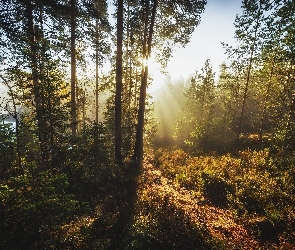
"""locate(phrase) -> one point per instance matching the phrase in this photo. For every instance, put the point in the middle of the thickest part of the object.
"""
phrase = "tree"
(229, 87)
(165, 23)
(285, 15)
(249, 36)
(73, 68)
(118, 105)
(146, 51)
(35, 71)
(15, 115)
(197, 125)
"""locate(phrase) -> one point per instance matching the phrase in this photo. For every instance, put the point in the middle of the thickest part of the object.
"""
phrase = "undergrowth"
(178, 201)
(256, 185)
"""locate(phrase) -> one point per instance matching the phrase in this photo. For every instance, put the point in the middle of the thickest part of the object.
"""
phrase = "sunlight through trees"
(99, 155)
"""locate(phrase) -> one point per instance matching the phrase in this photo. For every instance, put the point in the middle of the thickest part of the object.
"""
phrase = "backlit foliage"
(254, 184)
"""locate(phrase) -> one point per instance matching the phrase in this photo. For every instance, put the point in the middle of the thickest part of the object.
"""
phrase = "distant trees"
(271, 68)
(201, 123)
(168, 102)
(249, 36)
(255, 90)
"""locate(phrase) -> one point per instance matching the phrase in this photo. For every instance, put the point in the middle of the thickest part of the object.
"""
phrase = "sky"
(216, 26)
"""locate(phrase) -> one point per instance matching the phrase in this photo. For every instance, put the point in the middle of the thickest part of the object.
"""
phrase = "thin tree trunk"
(248, 74)
(138, 148)
(138, 151)
(73, 69)
(291, 115)
(128, 79)
(135, 87)
(96, 71)
(83, 104)
(118, 97)
(266, 100)
(17, 134)
(130, 93)
(290, 122)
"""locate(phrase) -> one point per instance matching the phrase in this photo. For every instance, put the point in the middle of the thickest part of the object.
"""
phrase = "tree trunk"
(96, 71)
(288, 140)
(266, 100)
(37, 93)
(73, 68)
(248, 74)
(118, 97)
(147, 45)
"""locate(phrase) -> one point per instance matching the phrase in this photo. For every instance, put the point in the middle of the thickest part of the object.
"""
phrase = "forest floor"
(221, 226)
(165, 214)
(219, 222)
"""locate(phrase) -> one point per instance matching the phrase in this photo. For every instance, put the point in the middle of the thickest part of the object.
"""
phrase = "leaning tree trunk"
(248, 75)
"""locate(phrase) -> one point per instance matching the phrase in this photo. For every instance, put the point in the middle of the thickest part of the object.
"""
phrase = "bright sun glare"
(150, 62)
(154, 73)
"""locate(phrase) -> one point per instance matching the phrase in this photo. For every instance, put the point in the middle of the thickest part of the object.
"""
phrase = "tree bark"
(288, 140)
(73, 69)
(118, 97)
(147, 46)
(96, 71)
(36, 87)
(266, 100)
(248, 73)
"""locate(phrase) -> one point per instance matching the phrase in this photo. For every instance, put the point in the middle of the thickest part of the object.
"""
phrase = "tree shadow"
(126, 197)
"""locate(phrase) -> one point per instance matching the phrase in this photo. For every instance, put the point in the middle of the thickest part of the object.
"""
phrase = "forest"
(91, 159)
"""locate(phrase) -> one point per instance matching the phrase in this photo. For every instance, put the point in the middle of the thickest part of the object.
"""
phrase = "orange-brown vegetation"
(244, 202)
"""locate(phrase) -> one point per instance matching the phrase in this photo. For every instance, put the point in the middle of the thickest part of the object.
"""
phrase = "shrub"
(31, 211)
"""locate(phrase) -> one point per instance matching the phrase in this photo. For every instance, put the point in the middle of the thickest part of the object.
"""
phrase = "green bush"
(33, 210)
